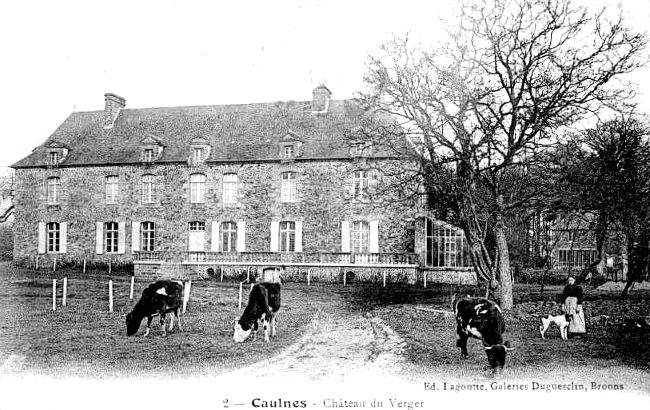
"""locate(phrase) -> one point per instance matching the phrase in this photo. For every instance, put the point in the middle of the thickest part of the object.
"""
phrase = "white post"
(36, 262)
(65, 291)
(384, 278)
(53, 294)
(110, 296)
(186, 294)
(308, 276)
(54, 266)
(240, 290)
(345, 277)
(132, 283)
(425, 279)
(109, 267)
(84, 271)
(248, 275)
(221, 268)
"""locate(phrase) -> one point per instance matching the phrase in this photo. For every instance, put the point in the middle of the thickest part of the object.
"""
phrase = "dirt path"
(336, 346)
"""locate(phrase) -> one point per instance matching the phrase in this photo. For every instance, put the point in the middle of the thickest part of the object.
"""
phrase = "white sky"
(58, 56)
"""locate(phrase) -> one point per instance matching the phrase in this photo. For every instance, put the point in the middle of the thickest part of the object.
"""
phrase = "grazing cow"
(263, 303)
(159, 298)
(482, 319)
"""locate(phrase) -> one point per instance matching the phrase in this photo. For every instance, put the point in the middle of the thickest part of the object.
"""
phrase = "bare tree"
(616, 177)
(479, 110)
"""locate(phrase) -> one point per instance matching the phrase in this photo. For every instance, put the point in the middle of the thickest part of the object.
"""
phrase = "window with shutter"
(148, 236)
(228, 237)
(360, 236)
(287, 236)
(111, 237)
(53, 237)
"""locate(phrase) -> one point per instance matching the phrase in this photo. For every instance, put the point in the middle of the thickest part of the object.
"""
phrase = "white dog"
(562, 322)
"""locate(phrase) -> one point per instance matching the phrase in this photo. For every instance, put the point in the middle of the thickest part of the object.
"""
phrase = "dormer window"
(289, 146)
(151, 148)
(199, 151)
(54, 157)
(56, 153)
(197, 154)
(147, 155)
(288, 151)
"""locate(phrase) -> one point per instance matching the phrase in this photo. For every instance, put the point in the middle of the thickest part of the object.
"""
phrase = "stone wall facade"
(324, 199)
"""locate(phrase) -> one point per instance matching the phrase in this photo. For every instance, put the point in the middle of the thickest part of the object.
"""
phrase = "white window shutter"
(99, 238)
(41, 237)
(298, 236)
(373, 246)
(345, 236)
(135, 237)
(215, 240)
(64, 237)
(121, 237)
(275, 234)
(241, 236)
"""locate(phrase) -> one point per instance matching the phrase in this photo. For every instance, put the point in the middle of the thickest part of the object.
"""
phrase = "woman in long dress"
(572, 296)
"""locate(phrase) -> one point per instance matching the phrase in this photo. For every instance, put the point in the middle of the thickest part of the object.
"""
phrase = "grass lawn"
(84, 339)
(606, 355)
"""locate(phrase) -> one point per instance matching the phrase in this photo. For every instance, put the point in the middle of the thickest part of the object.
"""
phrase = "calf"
(482, 319)
(159, 298)
(263, 303)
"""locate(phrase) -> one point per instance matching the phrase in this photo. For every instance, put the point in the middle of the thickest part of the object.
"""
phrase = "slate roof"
(248, 132)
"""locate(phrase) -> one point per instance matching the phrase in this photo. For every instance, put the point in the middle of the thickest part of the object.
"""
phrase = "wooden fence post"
(53, 294)
(186, 294)
(65, 291)
(110, 296)
(240, 290)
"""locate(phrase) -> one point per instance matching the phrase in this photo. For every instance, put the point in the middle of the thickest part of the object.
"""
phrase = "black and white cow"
(159, 298)
(482, 319)
(263, 303)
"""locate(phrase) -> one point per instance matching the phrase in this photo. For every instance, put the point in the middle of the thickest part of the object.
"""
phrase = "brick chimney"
(113, 104)
(321, 99)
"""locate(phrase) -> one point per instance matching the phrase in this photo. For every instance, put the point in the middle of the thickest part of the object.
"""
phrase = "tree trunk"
(637, 250)
(504, 283)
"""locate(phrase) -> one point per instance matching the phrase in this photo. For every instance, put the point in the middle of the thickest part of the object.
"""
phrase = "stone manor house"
(181, 190)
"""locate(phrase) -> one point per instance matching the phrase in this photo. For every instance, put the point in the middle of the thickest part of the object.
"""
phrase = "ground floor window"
(111, 232)
(53, 237)
(287, 236)
(360, 236)
(148, 231)
(228, 237)
(445, 245)
(197, 236)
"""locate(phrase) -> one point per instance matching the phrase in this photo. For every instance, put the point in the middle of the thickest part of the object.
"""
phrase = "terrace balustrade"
(303, 258)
